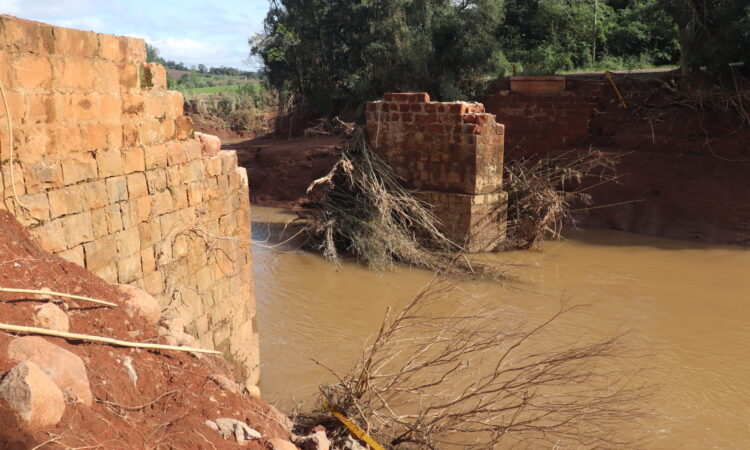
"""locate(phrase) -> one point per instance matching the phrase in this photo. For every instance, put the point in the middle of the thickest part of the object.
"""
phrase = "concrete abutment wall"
(452, 153)
(109, 176)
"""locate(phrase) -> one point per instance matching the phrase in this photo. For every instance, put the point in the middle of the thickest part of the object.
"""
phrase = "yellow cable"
(355, 430)
(608, 74)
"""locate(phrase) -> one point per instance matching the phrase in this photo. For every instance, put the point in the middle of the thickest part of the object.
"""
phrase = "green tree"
(337, 54)
(713, 34)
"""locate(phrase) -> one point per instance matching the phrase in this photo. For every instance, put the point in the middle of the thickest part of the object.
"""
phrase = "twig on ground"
(103, 340)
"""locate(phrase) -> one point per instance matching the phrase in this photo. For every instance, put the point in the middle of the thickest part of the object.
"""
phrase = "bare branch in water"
(476, 377)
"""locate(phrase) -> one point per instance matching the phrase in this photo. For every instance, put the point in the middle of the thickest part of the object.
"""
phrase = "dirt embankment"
(281, 170)
(168, 404)
(685, 168)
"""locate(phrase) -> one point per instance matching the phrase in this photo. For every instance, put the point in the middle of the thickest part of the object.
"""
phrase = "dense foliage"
(335, 54)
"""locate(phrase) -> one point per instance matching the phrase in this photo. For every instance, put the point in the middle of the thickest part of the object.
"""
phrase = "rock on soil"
(33, 396)
(64, 368)
(141, 303)
(281, 444)
(174, 386)
(232, 427)
(315, 441)
(51, 317)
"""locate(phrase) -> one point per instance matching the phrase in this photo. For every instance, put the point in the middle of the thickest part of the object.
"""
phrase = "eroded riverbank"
(685, 306)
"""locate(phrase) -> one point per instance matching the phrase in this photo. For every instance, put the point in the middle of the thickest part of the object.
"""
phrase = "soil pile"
(168, 404)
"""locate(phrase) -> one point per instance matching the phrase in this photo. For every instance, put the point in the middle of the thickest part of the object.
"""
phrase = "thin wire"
(10, 140)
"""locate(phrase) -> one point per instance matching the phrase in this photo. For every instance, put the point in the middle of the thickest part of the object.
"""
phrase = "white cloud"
(84, 23)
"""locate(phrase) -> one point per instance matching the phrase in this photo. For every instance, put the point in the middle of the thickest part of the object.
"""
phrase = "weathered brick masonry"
(110, 177)
(452, 153)
(545, 115)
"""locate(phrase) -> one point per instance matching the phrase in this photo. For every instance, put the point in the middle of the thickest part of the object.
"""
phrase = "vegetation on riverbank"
(451, 49)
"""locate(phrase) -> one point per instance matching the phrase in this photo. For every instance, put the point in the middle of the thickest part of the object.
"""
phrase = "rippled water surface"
(685, 305)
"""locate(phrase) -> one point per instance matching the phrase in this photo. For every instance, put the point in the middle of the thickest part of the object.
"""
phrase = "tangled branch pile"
(364, 210)
(542, 191)
(433, 379)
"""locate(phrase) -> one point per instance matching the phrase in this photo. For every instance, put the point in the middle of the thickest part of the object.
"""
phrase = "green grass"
(256, 87)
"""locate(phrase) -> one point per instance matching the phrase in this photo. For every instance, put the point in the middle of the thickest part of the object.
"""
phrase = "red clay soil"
(175, 386)
(280, 171)
(686, 169)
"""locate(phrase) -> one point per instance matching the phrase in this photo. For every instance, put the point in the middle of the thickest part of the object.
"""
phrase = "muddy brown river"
(686, 305)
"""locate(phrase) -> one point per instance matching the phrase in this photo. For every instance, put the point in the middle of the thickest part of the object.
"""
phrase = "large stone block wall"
(108, 175)
(452, 154)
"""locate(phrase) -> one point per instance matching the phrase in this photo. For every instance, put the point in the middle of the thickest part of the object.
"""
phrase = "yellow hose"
(354, 429)
(608, 74)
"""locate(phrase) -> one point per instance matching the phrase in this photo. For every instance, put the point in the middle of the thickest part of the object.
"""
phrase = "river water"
(685, 305)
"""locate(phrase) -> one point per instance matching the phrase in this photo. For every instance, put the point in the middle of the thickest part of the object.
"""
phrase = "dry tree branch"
(438, 374)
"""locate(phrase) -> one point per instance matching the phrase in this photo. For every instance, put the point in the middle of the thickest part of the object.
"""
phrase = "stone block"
(117, 189)
(99, 222)
(74, 73)
(74, 255)
(78, 167)
(50, 236)
(183, 127)
(155, 156)
(143, 208)
(107, 77)
(32, 71)
(65, 201)
(148, 260)
(162, 203)
(150, 233)
(27, 36)
(112, 48)
(75, 43)
(133, 160)
(149, 131)
(154, 283)
(110, 108)
(128, 268)
(137, 186)
(174, 104)
(156, 180)
(154, 77)
(114, 218)
(128, 242)
(78, 229)
(537, 85)
(176, 153)
(100, 253)
(42, 108)
(36, 206)
(155, 105)
(37, 176)
(109, 163)
(95, 136)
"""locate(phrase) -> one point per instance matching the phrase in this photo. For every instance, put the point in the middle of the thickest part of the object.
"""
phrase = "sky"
(189, 31)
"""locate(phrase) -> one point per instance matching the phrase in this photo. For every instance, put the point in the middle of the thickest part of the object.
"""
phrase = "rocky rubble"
(87, 394)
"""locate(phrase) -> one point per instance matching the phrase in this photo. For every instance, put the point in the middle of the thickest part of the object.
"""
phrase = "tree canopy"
(335, 54)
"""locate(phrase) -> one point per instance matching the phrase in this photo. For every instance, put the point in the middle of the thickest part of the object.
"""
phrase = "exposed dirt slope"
(185, 395)
(686, 165)
(281, 170)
